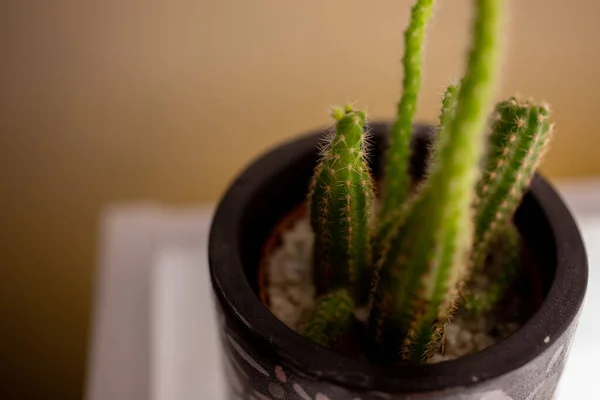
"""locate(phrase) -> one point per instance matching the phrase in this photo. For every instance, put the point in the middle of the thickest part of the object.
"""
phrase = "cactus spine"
(397, 177)
(341, 202)
(419, 271)
(520, 136)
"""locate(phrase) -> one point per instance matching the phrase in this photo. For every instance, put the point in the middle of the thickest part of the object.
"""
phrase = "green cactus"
(501, 274)
(424, 260)
(519, 138)
(424, 247)
(388, 221)
(397, 182)
(341, 206)
(330, 318)
(449, 102)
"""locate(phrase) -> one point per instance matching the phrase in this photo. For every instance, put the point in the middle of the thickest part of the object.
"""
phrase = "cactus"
(519, 138)
(449, 101)
(503, 269)
(330, 318)
(341, 203)
(423, 248)
(447, 113)
(397, 181)
(423, 260)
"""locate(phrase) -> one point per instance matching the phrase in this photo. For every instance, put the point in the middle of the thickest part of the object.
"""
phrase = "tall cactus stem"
(447, 113)
(449, 102)
(397, 179)
(425, 260)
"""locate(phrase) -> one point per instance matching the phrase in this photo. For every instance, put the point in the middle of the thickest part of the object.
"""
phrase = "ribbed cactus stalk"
(397, 181)
(389, 221)
(341, 203)
(520, 136)
(330, 318)
(500, 274)
(424, 259)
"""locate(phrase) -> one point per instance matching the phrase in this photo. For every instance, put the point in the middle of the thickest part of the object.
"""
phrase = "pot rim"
(236, 294)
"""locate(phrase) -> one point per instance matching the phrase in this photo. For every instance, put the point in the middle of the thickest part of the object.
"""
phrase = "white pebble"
(284, 310)
(482, 341)
(300, 295)
(292, 271)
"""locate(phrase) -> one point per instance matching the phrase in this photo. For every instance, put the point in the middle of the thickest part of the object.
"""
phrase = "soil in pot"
(286, 287)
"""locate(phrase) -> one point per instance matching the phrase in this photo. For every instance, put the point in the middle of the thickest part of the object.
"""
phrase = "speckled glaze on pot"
(265, 360)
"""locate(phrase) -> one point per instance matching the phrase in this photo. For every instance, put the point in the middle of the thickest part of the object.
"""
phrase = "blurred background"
(121, 100)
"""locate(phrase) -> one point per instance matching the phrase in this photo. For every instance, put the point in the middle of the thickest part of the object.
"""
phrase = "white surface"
(127, 337)
(154, 332)
(118, 362)
(579, 378)
(185, 362)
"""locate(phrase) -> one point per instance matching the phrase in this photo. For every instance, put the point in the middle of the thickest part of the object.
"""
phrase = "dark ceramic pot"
(264, 359)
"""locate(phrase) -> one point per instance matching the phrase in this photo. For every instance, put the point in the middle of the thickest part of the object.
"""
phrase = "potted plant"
(402, 261)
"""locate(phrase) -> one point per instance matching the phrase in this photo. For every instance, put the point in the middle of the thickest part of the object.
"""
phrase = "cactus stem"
(518, 142)
(340, 202)
(330, 318)
(439, 220)
(397, 179)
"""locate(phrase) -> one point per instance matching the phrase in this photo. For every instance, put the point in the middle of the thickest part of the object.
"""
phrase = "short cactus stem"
(519, 138)
(330, 320)
(341, 203)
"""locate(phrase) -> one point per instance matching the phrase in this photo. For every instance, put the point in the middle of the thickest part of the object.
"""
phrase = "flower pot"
(264, 359)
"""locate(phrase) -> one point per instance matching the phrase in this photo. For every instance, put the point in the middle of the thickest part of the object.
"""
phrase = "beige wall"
(121, 100)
